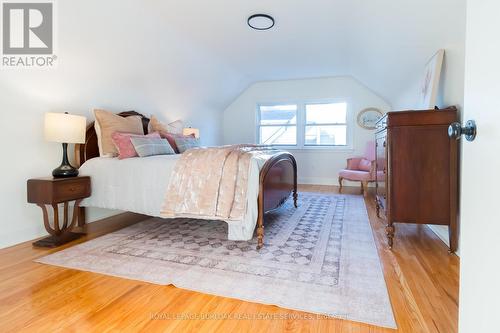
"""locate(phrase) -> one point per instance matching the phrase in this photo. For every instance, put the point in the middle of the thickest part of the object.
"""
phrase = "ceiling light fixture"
(260, 22)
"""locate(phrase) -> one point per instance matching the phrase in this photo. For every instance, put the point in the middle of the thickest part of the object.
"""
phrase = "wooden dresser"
(417, 170)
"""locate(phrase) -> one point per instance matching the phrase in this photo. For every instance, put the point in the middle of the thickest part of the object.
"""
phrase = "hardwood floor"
(422, 279)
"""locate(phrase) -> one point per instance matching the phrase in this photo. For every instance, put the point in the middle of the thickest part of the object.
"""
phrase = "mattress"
(139, 185)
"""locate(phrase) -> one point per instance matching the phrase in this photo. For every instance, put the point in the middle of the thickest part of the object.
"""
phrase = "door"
(480, 181)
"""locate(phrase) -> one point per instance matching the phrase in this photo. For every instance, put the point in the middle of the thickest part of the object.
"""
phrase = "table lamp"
(65, 128)
(191, 131)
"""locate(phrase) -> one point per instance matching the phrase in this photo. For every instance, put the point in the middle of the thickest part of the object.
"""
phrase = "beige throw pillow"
(107, 123)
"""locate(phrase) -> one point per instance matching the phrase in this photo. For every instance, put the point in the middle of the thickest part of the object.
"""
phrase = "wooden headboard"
(89, 149)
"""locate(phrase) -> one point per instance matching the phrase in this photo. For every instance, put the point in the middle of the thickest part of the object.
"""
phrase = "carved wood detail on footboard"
(278, 179)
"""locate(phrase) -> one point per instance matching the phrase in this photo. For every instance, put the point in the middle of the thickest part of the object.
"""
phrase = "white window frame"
(259, 105)
(301, 124)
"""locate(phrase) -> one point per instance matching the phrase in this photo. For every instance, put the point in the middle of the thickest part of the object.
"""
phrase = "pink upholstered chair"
(361, 169)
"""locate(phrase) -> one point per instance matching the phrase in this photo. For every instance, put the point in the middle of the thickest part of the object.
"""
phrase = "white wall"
(314, 167)
(452, 40)
(101, 63)
(451, 88)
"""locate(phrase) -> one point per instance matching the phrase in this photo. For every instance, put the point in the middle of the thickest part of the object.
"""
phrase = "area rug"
(319, 258)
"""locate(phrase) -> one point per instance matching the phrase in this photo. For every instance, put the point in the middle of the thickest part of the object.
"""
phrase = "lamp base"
(65, 171)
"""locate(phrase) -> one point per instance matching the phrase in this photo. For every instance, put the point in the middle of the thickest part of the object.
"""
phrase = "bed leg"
(260, 223)
(260, 219)
(260, 237)
(295, 197)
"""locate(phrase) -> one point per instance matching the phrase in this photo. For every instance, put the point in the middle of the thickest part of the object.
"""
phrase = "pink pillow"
(124, 145)
(171, 139)
(365, 165)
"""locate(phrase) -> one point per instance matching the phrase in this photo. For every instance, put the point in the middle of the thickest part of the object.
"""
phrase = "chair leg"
(340, 183)
(364, 188)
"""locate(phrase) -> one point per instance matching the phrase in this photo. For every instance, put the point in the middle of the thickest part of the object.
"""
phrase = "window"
(278, 124)
(304, 125)
(326, 124)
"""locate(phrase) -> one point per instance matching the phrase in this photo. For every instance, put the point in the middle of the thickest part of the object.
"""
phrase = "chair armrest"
(353, 163)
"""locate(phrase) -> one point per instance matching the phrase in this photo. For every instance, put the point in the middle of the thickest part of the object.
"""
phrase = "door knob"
(455, 130)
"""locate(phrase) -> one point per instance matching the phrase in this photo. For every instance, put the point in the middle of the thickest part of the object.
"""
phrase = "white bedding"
(139, 185)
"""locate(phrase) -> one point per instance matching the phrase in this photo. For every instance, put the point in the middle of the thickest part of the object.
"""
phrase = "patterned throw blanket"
(211, 183)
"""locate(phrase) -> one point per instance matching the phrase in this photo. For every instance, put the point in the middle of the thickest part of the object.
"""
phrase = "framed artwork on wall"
(368, 117)
(429, 85)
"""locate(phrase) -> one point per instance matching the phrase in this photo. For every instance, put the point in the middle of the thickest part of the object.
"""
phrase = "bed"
(135, 184)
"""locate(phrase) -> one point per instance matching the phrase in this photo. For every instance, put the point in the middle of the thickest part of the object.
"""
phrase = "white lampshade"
(65, 128)
(189, 131)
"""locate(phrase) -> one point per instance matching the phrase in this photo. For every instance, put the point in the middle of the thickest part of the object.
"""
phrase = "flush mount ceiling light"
(260, 22)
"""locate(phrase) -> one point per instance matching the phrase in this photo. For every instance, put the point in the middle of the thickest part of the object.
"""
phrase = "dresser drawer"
(54, 190)
(66, 191)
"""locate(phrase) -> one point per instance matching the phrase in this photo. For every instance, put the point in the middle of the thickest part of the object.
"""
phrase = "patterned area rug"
(320, 258)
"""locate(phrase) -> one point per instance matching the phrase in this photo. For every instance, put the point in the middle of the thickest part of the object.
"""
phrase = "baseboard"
(327, 181)
(317, 181)
(96, 214)
(441, 231)
(118, 219)
(22, 235)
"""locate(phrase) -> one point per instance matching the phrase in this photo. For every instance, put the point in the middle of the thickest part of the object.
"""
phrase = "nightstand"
(54, 191)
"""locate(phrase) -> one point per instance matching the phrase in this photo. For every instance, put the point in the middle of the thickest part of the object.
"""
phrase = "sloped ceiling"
(195, 53)
(383, 43)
